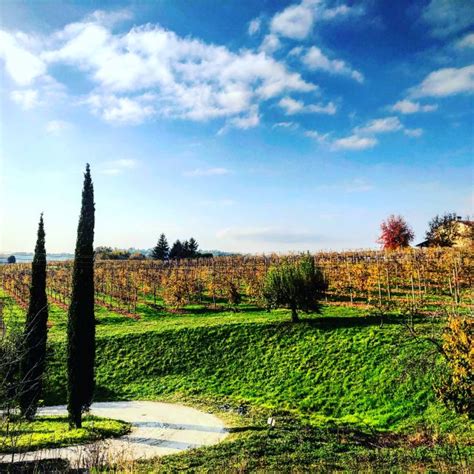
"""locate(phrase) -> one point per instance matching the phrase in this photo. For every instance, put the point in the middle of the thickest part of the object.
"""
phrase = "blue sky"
(252, 126)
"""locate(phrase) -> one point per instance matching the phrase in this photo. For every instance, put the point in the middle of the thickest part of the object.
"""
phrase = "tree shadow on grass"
(331, 322)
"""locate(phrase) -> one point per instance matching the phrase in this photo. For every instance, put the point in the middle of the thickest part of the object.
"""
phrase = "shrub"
(297, 285)
(457, 388)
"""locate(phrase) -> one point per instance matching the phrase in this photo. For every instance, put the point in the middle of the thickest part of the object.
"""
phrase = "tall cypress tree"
(34, 342)
(81, 323)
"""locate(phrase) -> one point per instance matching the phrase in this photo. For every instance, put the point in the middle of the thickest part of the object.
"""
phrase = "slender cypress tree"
(81, 323)
(34, 350)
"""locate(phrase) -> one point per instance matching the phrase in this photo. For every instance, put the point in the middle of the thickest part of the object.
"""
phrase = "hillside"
(341, 370)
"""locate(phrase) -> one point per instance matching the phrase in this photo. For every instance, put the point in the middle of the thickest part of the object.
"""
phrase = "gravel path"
(157, 429)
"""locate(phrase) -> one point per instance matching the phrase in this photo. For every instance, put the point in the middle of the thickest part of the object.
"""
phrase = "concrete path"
(157, 429)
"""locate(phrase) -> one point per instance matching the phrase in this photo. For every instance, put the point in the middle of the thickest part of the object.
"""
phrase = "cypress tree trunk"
(33, 354)
(81, 323)
(294, 314)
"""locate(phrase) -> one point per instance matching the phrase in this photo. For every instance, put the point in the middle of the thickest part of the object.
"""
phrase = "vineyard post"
(350, 279)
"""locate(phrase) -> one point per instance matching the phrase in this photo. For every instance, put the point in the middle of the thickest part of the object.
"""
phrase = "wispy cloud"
(269, 234)
(321, 138)
(254, 26)
(270, 44)
(446, 82)
(448, 17)
(354, 142)
(315, 59)
(410, 107)
(296, 21)
(207, 172)
(413, 132)
(287, 125)
(292, 106)
(466, 42)
(381, 125)
(26, 98)
(120, 110)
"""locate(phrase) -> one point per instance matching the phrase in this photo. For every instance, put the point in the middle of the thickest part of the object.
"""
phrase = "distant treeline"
(161, 251)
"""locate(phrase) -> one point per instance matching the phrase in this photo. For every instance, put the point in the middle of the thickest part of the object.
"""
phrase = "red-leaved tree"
(396, 233)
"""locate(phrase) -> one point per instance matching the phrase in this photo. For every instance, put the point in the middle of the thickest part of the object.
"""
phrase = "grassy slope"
(54, 432)
(338, 366)
(332, 367)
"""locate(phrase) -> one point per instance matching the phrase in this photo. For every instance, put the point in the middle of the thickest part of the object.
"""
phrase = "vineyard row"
(428, 279)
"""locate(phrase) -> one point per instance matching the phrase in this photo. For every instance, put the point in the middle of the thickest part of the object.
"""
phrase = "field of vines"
(422, 281)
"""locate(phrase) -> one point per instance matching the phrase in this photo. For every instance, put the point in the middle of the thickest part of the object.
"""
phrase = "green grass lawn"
(343, 387)
(53, 432)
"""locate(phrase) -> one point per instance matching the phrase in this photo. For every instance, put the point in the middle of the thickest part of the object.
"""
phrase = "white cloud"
(447, 17)
(245, 122)
(55, 127)
(22, 65)
(321, 138)
(207, 172)
(445, 82)
(295, 21)
(328, 109)
(182, 77)
(292, 106)
(466, 42)
(383, 125)
(340, 10)
(354, 142)
(413, 132)
(409, 107)
(120, 110)
(287, 125)
(315, 59)
(270, 44)
(26, 98)
(254, 26)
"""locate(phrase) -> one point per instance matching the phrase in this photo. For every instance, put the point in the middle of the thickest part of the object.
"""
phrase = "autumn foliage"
(396, 233)
(457, 388)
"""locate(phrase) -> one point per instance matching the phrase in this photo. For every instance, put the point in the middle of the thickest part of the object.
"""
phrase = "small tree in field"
(193, 247)
(396, 233)
(297, 285)
(161, 249)
(176, 250)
